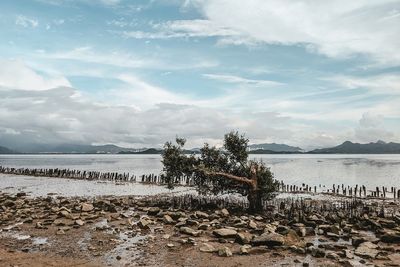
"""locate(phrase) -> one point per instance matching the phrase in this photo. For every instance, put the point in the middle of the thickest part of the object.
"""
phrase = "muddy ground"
(122, 231)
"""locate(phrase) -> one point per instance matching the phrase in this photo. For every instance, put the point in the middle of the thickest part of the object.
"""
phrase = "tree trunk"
(255, 201)
(254, 197)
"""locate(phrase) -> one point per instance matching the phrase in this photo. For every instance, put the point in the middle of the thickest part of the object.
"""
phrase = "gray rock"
(202, 215)
(225, 232)
(225, 212)
(244, 238)
(144, 224)
(391, 237)
(224, 252)
(189, 231)
(205, 247)
(153, 211)
(86, 207)
(367, 250)
(268, 239)
(167, 219)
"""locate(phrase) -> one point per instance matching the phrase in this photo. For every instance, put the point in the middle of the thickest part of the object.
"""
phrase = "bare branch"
(232, 177)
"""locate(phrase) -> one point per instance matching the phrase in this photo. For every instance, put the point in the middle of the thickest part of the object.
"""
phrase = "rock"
(79, 222)
(153, 211)
(332, 255)
(225, 212)
(317, 252)
(387, 223)
(192, 222)
(189, 231)
(269, 228)
(203, 226)
(167, 219)
(205, 247)
(60, 222)
(292, 238)
(118, 258)
(252, 224)
(224, 252)
(86, 207)
(21, 194)
(349, 254)
(166, 236)
(201, 215)
(332, 236)
(180, 224)
(225, 233)
(268, 239)
(391, 237)
(244, 250)
(367, 250)
(170, 245)
(143, 224)
(243, 238)
(281, 229)
(60, 232)
(335, 229)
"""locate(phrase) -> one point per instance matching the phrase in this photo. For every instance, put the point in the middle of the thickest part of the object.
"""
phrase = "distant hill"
(5, 150)
(348, 147)
(264, 151)
(274, 148)
(155, 151)
(71, 148)
(147, 151)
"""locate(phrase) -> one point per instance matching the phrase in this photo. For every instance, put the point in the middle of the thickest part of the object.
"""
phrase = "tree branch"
(232, 177)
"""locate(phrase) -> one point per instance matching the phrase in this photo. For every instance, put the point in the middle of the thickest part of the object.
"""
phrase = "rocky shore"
(129, 231)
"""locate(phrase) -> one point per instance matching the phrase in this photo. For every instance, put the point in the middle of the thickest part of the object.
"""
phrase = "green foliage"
(202, 169)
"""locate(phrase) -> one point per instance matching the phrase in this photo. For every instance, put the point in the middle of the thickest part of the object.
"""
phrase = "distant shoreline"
(257, 153)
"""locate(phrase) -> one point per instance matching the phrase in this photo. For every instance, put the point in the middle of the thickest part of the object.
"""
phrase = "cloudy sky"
(138, 73)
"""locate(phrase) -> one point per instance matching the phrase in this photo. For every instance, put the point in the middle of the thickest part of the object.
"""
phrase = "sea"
(319, 170)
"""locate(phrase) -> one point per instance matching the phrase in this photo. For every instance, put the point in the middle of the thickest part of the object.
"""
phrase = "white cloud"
(371, 128)
(241, 80)
(384, 83)
(15, 74)
(26, 22)
(127, 60)
(336, 29)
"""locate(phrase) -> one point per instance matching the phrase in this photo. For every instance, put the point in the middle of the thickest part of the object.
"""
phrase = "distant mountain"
(348, 147)
(275, 148)
(147, 151)
(156, 151)
(4, 150)
(72, 148)
(264, 151)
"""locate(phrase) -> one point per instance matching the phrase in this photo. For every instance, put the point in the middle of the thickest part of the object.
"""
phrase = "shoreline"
(137, 231)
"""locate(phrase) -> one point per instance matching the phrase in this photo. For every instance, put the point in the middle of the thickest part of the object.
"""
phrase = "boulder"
(167, 219)
(225, 212)
(144, 224)
(79, 222)
(252, 224)
(269, 239)
(86, 207)
(244, 250)
(225, 233)
(153, 211)
(201, 215)
(391, 237)
(243, 238)
(205, 247)
(189, 231)
(387, 223)
(224, 252)
(367, 250)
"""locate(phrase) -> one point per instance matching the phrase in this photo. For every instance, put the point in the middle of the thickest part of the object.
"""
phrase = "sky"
(139, 73)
